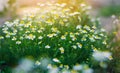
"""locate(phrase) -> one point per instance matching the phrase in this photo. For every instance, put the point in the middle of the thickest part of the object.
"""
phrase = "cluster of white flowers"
(102, 56)
(59, 32)
(82, 68)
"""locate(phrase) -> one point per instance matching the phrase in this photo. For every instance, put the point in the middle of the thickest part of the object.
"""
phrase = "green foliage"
(110, 10)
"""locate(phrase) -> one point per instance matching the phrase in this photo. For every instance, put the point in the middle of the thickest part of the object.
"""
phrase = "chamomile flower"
(30, 36)
(56, 60)
(74, 47)
(92, 39)
(27, 25)
(14, 38)
(101, 56)
(47, 46)
(49, 66)
(104, 42)
(7, 36)
(50, 35)
(66, 66)
(78, 27)
(86, 27)
(78, 67)
(38, 63)
(63, 37)
(18, 42)
(61, 50)
(79, 45)
(40, 37)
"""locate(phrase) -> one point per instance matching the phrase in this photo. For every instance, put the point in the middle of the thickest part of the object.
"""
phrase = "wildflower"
(5, 28)
(92, 39)
(54, 34)
(7, 36)
(37, 63)
(32, 15)
(97, 37)
(83, 31)
(66, 10)
(74, 46)
(21, 38)
(56, 16)
(21, 29)
(87, 70)
(14, 38)
(86, 27)
(102, 30)
(66, 33)
(27, 25)
(54, 70)
(39, 42)
(61, 22)
(18, 42)
(67, 71)
(101, 34)
(65, 20)
(94, 27)
(31, 37)
(33, 29)
(5, 31)
(73, 71)
(101, 56)
(40, 37)
(54, 30)
(104, 42)
(14, 33)
(39, 31)
(61, 66)
(56, 60)
(50, 35)
(61, 50)
(75, 13)
(21, 24)
(77, 67)
(72, 35)
(74, 38)
(63, 37)
(49, 66)
(92, 30)
(66, 66)
(79, 45)
(77, 33)
(1, 37)
(9, 24)
(83, 39)
(47, 46)
(49, 22)
(27, 31)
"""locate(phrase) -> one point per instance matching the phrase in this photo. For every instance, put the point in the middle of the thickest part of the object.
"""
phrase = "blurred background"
(104, 9)
(107, 12)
